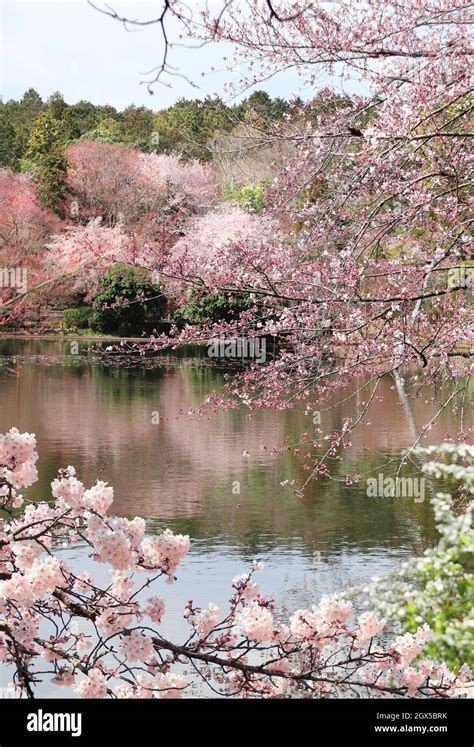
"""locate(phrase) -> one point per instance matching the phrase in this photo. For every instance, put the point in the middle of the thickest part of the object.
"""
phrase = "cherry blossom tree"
(371, 276)
(25, 228)
(119, 183)
(80, 255)
(211, 240)
(105, 181)
(366, 273)
(25, 225)
(124, 205)
(189, 185)
(361, 274)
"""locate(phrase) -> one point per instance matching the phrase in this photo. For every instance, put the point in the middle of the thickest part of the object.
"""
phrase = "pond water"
(185, 472)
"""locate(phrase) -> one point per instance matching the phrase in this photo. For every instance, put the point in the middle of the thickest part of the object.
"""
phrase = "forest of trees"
(185, 127)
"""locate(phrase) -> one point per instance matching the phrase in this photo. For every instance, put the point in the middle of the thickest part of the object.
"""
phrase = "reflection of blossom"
(181, 462)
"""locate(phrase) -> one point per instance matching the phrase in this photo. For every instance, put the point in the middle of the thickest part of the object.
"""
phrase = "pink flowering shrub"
(119, 183)
(26, 225)
(25, 229)
(79, 255)
(184, 184)
(126, 206)
(245, 650)
(105, 181)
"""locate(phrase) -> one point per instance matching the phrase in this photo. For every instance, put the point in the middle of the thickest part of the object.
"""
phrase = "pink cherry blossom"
(137, 646)
(93, 686)
(99, 498)
(410, 645)
(256, 622)
(170, 685)
(165, 551)
(155, 609)
(369, 626)
(206, 620)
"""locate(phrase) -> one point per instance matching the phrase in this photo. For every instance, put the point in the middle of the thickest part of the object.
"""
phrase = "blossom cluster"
(18, 459)
(165, 551)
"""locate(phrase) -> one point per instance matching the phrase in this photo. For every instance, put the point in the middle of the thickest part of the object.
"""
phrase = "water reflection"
(183, 471)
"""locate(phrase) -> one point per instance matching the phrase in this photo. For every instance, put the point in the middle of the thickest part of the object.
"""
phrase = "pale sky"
(67, 46)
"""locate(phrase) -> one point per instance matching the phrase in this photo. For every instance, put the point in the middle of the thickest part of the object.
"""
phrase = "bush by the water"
(82, 317)
(211, 308)
(126, 300)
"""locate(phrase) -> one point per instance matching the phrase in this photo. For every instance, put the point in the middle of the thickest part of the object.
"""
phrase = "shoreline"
(88, 338)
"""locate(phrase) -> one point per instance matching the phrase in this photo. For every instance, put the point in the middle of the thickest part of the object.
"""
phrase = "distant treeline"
(185, 127)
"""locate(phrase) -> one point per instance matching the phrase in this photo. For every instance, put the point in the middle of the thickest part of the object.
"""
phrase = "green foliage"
(32, 101)
(46, 135)
(56, 105)
(83, 118)
(448, 617)
(45, 155)
(211, 308)
(8, 143)
(21, 115)
(260, 108)
(82, 317)
(50, 174)
(126, 300)
(462, 276)
(438, 588)
(137, 126)
(108, 130)
(250, 196)
(187, 126)
(78, 119)
(325, 101)
(445, 580)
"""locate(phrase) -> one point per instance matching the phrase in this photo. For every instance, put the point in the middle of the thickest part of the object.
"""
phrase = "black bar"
(374, 721)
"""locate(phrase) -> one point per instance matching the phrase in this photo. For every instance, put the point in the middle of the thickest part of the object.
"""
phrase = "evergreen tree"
(8, 143)
(45, 156)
